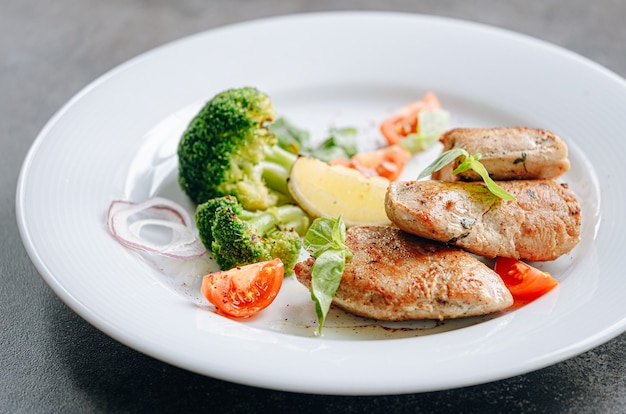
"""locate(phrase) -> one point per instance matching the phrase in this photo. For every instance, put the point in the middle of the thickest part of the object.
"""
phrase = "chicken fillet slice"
(542, 223)
(395, 276)
(507, 153)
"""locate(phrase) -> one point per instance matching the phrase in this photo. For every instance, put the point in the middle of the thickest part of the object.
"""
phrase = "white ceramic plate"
(116, 140)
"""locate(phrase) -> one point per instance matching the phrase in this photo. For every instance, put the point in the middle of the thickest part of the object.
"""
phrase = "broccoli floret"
(237, 236)
(228, 149)
(205, 213)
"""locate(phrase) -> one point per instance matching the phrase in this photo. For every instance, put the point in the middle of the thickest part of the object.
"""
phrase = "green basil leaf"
(320, 235)
(325, 242)
(325, 233)
(345, 138)
(443, 160)
(495, 189)
(470, 162)
(467, 164)
(325, 278)
(291, 137)
(342, 143)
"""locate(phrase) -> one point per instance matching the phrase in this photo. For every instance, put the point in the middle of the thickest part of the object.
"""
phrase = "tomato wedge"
(387, 162)
(404, 122)
(245, 290)
(524, 281)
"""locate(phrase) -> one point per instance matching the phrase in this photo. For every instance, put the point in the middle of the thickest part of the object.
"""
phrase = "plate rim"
(97, 321)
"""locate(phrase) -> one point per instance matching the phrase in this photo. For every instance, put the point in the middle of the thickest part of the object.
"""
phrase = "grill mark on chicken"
(507, 153)
(396, 276)
(542, 224)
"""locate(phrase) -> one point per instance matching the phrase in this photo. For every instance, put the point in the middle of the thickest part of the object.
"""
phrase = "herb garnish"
(522, 158)
(470, 162)
(325, 242)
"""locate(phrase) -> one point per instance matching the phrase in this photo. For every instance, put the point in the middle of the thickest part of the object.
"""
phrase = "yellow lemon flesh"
(331, 191)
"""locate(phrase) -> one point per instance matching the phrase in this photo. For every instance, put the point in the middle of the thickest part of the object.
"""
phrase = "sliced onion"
(126, 220)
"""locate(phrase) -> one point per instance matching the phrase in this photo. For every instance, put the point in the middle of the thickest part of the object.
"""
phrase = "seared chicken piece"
(541, 224)
(507, 153)
(396, 276)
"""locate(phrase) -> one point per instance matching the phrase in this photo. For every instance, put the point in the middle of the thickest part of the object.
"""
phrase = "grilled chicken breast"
(507, 153)
(396, 276)
(542, 224)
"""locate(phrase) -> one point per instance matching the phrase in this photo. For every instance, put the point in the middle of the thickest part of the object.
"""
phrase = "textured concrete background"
(53, 361)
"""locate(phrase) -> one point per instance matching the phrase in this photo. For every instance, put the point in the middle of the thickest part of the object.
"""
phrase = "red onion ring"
(127, 219)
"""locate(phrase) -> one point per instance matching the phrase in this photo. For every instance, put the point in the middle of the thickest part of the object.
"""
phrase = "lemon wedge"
(323, 190)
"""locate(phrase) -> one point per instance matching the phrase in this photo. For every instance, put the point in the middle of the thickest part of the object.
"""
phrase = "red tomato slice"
(523, 280)
(387, 162)
(245, 290)
(404, 122)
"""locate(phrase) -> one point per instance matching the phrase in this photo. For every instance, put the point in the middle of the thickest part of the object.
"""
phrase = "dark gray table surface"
(51, 360)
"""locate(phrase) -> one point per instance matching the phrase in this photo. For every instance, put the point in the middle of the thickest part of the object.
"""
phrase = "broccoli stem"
(275, 170)
(281, 156)
(287, 216)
